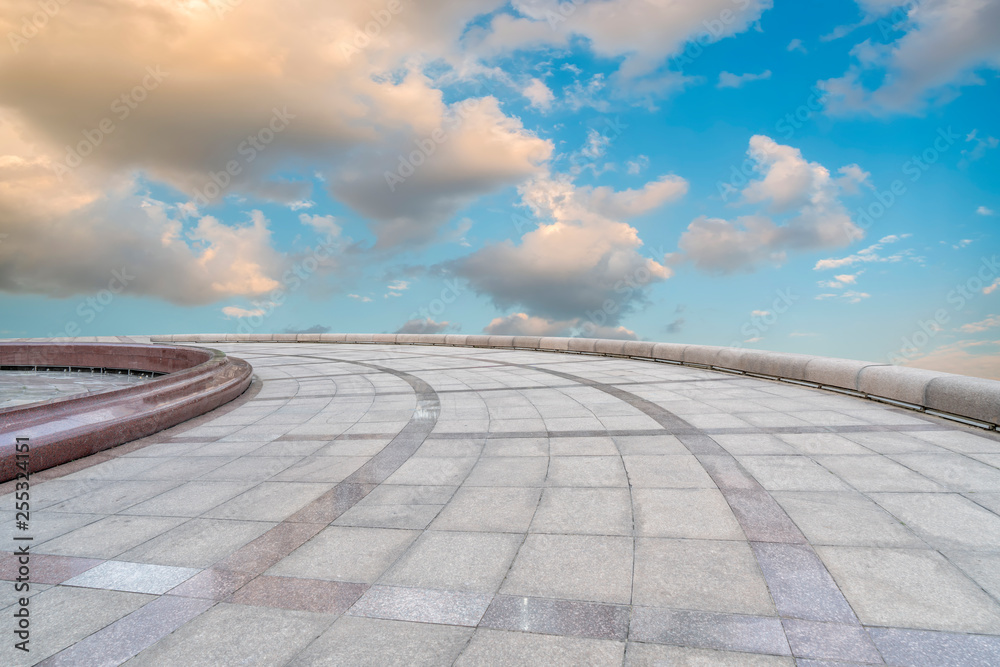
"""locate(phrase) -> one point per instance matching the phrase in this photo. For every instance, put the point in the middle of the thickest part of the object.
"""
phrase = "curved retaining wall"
(61, 430)
(968, 399)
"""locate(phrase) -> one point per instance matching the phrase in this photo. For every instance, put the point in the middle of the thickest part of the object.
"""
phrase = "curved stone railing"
(971, 400)
(195, 381)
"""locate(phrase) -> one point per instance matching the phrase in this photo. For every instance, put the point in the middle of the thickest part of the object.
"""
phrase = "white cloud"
(979, 148)
(866, 255)
(760, 313)
(789, 185)
(989, 289)
(522, 324)
(538, 94)
(358, 297)
(579, 259)
(982, 210)
(729, 80)
(637, 165)
(796, 45)
(991, 322)
(945, 43)
(426, 326)
(237, 312)
(849, 296)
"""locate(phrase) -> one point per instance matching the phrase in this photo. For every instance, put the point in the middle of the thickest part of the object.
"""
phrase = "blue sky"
(725, 172)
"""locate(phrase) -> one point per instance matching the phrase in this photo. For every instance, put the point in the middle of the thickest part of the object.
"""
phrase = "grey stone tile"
(658, 655)
(432, 470)
(845, 518)
(727, 632)
(109, 537)
(325, 469)
(917, 648)
(416, 517)
(374, 642)
(691, 513)
(189, 500)
(269, 501)
(883, 442)
(508, 471)
(516, 447)
(567, 618)
(800, 585)
(232, 634)
(402, 494)
(49, 525)
(761, 517)
(251, 468)
(910, 588)
(489, 509)
(573, 567)
(983, 568)
(753, 444)
(823, 444)
(184, 467)
(583, 511)
(470, 562)
(957, 472)
(657, 445)
(197, 543)
(63, 615)
(132, 577)
(963, 441)
(671, 472)
(876, 473)
(791, 473)
(990, 501)
(593, 446)
(704, 575)
(830, 641)
(422, 605)
(497, 647)
(344, 553)
(945, 520)
(451, 447)
(110, 497)
(597, 471)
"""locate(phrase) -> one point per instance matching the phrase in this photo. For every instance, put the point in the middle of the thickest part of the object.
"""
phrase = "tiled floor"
(428, 505)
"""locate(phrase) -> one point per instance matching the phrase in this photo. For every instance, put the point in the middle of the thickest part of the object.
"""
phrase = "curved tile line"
(800, 584)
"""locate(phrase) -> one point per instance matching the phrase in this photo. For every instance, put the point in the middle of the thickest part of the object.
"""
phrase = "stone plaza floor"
(410, 505)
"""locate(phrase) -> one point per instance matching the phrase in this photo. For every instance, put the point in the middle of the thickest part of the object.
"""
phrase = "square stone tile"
(573, 567)
(910, 588)
(132, 577)
(965, 441)
(47, 525)
(876, 473)
(516, 447)
(328, 597)
(883, 442)
(189, 500)
(830, 641)
(791, 473)
(433, 471)
(354, 640)
(251, 468)
(845, 518)
(402, 494)
(667, 472)
(416, 517)
(708, 630)
(658, 655)
(656, 445)
(945, 520)
(580, 446)
(823, 444)
(237, 634)
(63, 615)
(748, 444)
(184, 467)
(489, 509)
(584, 511)
(110, 536)
(800, 585)
(456, 561)
(44, 569)
(269, 501)
(933, 649)
(691, 513)
(213, 584)
(451, 447)
(344, 553)
(325, 469)
(567, 618)
(497, 647)
(422, 605)
(509, 471)
(954, 471)
(586, 471)
(197, 543)
(110, 497)
(983, 568)
(704, 575)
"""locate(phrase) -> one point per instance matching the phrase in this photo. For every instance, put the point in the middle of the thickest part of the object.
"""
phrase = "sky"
(752, 173)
